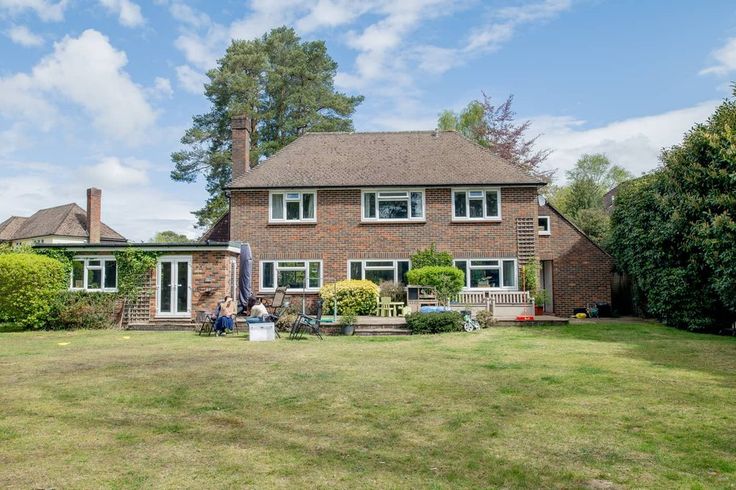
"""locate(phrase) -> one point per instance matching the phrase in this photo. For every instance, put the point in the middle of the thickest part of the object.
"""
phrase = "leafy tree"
(446, 280)
(581, 199)
(169, 236)
(674, 231)
(431, 256)
(494, 127)
(284, 85)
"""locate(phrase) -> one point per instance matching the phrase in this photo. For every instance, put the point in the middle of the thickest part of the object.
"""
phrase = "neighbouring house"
(65, 224)
(331, 206)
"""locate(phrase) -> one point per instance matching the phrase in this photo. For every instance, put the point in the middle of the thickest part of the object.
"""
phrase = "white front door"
(174, 286)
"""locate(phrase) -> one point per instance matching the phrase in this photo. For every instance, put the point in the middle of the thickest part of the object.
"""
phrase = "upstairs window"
(543, 225)
(292, 207)
(295, 275)
(476, 204)
(393, 205)
(488, 273)
(94, 274)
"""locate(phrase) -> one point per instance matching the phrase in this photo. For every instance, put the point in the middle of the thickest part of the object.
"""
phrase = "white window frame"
(86, 268)
(300, 199)
(378, 219)
(548, 231)
(276, 269)
(467, 287)
(467, 191)
(363, 267)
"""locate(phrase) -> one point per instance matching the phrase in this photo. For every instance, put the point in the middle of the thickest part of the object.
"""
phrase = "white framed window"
(488, 273)
(379, 270)
(94, 274)
(476, 204)
(295, 275)
(292, 206)
(543, 225)
(392, 205)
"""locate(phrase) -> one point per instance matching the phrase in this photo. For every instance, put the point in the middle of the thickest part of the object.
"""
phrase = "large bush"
(29, 284)
(674, 231)
(360, 297)
(431, 257)
(444, 321)
(447, 281)
(80, 309)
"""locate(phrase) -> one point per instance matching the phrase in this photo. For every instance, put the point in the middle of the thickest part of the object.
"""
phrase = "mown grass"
(601, 406)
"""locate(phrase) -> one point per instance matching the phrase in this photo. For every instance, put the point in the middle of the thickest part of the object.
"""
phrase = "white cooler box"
(258, 332)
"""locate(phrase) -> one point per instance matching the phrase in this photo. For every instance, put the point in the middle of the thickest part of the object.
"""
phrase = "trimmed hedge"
(447, 281)
(445, 321)
(29, 285)
(360, 297)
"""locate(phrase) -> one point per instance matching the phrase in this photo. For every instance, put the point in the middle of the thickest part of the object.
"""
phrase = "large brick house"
(331, 206)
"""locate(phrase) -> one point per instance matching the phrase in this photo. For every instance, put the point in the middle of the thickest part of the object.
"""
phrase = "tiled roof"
(220, 231)
(64, 220)
(411, 158)
(10, 226)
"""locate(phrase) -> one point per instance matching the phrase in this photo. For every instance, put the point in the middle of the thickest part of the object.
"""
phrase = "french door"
(174, 286)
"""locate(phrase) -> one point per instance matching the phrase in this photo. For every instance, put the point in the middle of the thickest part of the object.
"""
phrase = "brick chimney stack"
(94, 208)
(240, 126)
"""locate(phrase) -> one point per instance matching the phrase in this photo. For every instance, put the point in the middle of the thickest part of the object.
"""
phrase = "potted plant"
(347, 322)
(541, 296)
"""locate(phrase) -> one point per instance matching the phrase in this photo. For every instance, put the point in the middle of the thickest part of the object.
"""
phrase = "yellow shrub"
(358, 297)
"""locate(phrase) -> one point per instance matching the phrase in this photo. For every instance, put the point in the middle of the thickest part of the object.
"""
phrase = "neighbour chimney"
(94, 205)
(240, 126)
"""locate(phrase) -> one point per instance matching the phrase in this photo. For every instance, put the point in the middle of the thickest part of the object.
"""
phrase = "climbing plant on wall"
(134, 267)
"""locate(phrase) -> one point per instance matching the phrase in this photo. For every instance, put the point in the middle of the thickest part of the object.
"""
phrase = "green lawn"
(598, 406)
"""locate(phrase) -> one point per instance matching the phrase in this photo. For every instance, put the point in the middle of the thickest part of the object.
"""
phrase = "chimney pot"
(240, 127)
(94, 207)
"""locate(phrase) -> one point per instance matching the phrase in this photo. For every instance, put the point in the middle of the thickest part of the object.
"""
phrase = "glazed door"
(174, 291)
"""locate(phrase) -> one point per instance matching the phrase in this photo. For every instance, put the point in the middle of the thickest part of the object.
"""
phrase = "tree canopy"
(494, 127)
(674, 231)
(284, 85)
(169, 236)
(581, 199)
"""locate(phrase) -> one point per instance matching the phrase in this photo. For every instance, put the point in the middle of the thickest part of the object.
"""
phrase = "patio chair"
(278, 301)
(385, 308)
(305, 323)
(203, 323)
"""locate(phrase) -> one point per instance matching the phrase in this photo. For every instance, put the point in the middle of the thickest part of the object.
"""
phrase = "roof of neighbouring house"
(10, 226)
(410, 158)
(66, 220)
(219, 232)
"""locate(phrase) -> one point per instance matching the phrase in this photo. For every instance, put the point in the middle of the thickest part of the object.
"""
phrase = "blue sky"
(98, 92)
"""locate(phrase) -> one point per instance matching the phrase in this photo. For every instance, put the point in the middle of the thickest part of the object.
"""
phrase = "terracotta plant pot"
(539, 310)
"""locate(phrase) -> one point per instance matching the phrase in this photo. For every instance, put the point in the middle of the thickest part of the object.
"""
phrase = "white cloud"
(129, 13)
(47, 11)
(112, 172)
(725, 58)
(191, 80)
(86, 71)
(23, 36)
(186, 14)
(162, 87)
(633, 143)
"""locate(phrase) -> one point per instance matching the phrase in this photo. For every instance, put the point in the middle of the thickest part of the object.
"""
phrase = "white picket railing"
(492, 297)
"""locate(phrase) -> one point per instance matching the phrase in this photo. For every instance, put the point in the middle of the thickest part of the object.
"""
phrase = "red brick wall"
(581, 272)
(339, 234)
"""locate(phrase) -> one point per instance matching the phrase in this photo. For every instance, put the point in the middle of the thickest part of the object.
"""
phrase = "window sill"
(292, 223)
(544, 233)
(476, 220)
(291, 291)
(80, 290)
(391, 221)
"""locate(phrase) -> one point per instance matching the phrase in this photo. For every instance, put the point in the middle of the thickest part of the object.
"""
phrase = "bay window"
(488, 273)
(292, 206)
(476, 204)
(292, 274)
(393, 205)
(378, 271)
(94, 274)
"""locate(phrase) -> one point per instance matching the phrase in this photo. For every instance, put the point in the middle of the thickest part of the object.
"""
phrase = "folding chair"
(278, 301)
(205, 322)
(305, 323)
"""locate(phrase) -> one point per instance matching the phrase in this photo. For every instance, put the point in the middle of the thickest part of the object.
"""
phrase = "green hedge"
(80, 309)
(445, 321)
(29, 285)
(360, 297)
(447, 281)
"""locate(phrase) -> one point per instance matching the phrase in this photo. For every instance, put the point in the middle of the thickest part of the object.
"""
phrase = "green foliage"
(447, 281)
(530, 275)
(80, 309)
(29, 283)
(7, 248)
(356, 296)
(395, 290)
(285, 86)
(61, 254)
(134, 267)
(348, 318)
(431, 257)
(541, 296)
(169, 236)
(581, 200)
(444, 321)
(674, 231)
(485, 318)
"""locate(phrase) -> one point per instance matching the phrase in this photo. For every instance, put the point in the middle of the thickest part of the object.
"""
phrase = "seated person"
(258, 313)
(225, 316)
